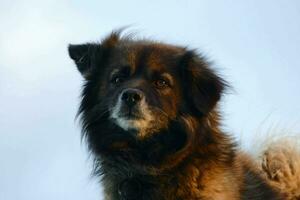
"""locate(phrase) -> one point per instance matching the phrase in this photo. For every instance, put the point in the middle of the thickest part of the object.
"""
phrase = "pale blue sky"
(254, 43)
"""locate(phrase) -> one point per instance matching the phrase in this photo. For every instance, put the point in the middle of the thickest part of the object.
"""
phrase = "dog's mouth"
(138, 118)
(130, 114)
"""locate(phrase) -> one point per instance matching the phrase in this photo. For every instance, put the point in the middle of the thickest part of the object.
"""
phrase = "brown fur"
(184, 155)
(281, 166)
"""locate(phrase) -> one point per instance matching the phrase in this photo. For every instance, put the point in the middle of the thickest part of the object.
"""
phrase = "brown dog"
(149, 114)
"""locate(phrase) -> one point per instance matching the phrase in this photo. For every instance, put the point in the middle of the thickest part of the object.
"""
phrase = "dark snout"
(131, 97)
(130, 100)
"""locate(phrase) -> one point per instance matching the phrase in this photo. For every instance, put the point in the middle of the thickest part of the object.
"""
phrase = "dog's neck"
(125, 180)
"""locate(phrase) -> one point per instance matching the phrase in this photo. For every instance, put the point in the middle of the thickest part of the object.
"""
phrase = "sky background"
(255, 45)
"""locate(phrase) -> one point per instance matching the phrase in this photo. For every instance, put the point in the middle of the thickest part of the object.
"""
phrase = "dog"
(150, 117)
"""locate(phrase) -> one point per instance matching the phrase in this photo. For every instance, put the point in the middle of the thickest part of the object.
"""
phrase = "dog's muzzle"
(131, 112)
(131, 97)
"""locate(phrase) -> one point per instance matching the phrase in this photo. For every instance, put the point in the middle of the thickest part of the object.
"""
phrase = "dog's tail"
(280, 164)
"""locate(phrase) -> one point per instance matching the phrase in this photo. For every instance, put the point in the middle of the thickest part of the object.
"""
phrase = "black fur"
(186, 130)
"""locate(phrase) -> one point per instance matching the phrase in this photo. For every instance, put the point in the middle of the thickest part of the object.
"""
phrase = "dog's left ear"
(202, 86)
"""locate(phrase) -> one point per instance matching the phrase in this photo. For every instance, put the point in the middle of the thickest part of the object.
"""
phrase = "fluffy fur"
(150, 117)
(280, 164)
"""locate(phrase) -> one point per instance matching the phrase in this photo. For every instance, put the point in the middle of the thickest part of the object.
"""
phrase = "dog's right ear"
(82, 54)
(85, 55)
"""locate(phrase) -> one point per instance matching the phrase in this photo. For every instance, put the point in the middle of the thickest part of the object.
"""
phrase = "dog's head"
(140, 93)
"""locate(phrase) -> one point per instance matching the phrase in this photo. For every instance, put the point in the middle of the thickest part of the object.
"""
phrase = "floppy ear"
(203, 86)
(82, 54)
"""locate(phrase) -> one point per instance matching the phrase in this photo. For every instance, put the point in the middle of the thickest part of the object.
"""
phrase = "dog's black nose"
(132, 96)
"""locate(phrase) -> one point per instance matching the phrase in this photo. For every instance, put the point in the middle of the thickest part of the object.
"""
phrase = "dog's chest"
(186, 186)
(139, 188)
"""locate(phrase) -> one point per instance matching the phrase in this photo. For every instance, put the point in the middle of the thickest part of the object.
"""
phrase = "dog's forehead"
(146, 55)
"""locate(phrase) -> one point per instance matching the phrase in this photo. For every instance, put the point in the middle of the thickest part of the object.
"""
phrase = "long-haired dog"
(150, 117)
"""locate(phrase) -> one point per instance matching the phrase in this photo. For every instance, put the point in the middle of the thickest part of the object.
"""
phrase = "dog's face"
(142, 89)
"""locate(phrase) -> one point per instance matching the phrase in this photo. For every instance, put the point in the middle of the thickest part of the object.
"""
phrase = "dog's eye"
(161, 83)
(118, 80)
